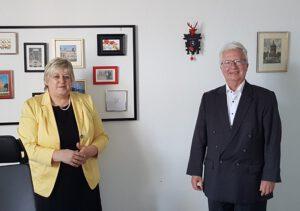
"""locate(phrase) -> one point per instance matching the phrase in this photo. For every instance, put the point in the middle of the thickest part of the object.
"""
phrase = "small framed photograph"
(105, 75)
(35, 57)
(37, 93)
(71, 49)
(6, 84)
(111, 44)
(8, 43)
(79, 86)
(272, 51)
(116, 100)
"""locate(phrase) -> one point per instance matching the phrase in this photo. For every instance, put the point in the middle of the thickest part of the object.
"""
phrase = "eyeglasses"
(237, 62)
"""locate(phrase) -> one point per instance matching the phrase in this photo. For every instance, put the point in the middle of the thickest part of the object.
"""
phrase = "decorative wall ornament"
(192, 44)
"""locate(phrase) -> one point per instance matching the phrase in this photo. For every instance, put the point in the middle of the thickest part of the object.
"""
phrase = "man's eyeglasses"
(237, 62)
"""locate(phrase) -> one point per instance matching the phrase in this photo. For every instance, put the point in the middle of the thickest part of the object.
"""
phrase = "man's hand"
(197, 183)
(266, 187)
(71, 157)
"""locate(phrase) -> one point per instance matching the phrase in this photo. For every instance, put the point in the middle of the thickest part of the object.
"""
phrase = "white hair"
(232, 46)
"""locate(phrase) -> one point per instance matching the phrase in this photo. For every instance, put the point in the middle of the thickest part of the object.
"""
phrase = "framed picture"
(111, 44)
(35, 57)
(272, 51)
(71, 49)
(79, 86)
(37, 93)
(105, 75)
(116, 100)
(6, 84)
(8, 43)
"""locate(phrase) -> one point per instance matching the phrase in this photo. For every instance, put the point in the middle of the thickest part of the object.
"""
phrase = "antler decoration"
(192, 29)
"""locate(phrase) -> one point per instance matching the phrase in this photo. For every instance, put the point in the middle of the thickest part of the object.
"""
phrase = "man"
(237, 139)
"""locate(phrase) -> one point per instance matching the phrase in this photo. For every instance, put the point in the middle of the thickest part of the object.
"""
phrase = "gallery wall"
(143, 168)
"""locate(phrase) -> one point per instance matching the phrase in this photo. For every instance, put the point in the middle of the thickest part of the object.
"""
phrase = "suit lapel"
(242, 109)
(78, 112)
(50, 122)
(221, 102)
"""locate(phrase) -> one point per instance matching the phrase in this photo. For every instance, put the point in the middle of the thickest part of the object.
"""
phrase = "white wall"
(144, 166)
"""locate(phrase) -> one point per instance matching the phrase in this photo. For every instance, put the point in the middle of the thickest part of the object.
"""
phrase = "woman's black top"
(71, 190)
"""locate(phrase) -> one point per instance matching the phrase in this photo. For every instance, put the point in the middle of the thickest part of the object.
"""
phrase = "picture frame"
(116, 100)
(71, 49)
(272, 52)
(6, 84)
(36, 93)
(35, 57)
(105, 75)
(8, 43)
(79, 86)
(111, 44)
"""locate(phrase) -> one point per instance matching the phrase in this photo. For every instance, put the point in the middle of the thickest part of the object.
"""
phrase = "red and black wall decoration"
(193, 41)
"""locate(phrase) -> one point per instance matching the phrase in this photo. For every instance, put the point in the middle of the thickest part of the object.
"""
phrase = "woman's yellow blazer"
(38, 132)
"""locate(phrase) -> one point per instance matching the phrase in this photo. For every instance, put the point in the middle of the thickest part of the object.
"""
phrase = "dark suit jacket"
(236, 158)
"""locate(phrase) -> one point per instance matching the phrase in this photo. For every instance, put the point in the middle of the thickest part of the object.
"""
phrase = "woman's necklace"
(64, 109)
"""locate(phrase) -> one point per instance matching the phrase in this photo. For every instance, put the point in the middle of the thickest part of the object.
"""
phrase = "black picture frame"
(115, 49)
(38, 58)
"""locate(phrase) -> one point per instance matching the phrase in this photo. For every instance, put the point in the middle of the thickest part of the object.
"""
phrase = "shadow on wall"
(287, 193)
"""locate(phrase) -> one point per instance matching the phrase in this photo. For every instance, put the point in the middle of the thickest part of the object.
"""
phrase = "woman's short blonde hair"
(58, 64)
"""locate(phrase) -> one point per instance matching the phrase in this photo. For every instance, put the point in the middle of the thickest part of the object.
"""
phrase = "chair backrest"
(16, 190)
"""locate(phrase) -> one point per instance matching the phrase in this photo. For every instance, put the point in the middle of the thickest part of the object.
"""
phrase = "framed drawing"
(8, 43)
(116, 100)
(79, 86)
(105, 75)
(111, 44)
(71, 49)
(272, 51)
(6, 84)
(35, 57)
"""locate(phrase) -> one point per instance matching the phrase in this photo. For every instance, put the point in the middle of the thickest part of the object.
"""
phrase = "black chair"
(16, 190)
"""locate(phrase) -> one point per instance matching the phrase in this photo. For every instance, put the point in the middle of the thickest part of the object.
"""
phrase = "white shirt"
(233, 99)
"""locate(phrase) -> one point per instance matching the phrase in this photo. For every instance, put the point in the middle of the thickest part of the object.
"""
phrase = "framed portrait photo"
(35, 57)
(116, 100)
(111, 44)
(6, 84)
(8, 43)
(272, 51)
(105, 75)
(71, 49)
(79, 86)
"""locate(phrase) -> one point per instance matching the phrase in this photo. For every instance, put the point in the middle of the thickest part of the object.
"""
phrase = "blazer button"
(81, 136)
(244, 150)
(249, 135)
(221, 161)
(237, 164)
(214, 132)
(217, 146)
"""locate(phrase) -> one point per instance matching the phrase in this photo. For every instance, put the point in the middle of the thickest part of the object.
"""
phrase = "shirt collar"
(238, 90)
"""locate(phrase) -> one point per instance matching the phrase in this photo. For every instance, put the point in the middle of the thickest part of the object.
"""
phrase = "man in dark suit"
(237, 139)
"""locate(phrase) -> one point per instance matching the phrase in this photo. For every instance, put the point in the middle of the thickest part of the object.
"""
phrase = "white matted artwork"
(71, 49)
(116, 100)
(272, 51)
(8, 43)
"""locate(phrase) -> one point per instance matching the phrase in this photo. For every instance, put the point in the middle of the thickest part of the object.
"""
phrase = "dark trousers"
(224, 206)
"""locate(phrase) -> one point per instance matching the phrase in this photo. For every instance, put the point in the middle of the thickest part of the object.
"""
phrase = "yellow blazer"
(38, 132)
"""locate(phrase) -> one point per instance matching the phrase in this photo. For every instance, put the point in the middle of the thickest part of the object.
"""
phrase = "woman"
(63, 137)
